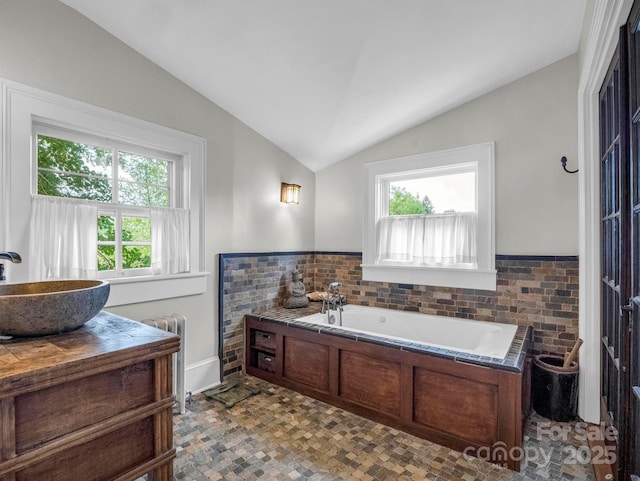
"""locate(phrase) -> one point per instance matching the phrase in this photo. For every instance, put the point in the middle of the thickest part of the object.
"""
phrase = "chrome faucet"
(10, 256)
(333, 302)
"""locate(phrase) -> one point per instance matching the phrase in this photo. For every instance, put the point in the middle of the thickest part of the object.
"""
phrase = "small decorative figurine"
(296, 293)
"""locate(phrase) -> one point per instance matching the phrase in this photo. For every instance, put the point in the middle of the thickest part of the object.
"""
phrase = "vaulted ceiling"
(324, 79)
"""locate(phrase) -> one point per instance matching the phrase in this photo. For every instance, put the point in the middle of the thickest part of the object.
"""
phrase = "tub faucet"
(333, 302)
(10, 256)
(333, 297)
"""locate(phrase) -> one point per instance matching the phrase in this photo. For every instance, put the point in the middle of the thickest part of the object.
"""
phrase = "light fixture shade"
(290, 193)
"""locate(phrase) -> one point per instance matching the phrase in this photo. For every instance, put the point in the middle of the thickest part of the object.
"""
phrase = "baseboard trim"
(202, 375)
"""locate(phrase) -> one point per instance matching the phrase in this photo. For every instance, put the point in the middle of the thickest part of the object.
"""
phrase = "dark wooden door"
(620, 208)
(631, 311)
(614, 205)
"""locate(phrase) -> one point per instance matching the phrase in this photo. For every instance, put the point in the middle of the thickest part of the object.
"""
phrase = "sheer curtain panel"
(170, 240)
(63, 239)
(433, 239)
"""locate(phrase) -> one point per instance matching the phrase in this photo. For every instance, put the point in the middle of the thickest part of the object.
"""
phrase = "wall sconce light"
(290, 193)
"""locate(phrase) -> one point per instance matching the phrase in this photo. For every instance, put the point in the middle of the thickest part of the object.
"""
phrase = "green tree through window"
(402, 202)
(70, 169)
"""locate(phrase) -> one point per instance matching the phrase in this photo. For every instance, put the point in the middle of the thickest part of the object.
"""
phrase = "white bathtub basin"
(481, 338)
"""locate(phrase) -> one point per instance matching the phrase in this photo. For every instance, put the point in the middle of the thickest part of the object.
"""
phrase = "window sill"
(131, 290)
(436, 276)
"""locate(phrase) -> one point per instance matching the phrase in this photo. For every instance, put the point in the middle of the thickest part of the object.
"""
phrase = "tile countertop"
(514, 361)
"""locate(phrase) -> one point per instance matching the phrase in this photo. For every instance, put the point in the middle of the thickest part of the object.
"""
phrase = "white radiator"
(176, 324)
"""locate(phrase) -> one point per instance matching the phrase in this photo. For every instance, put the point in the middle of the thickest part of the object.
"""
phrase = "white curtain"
(63, 238)
(433, 239)
(169, 240)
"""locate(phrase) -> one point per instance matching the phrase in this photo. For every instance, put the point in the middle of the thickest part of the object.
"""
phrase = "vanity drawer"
(265, 340)
(48, 414)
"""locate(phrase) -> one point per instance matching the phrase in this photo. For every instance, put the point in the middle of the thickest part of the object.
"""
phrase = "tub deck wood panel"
(456, 404)
(306, 362)
(442, 402)
(370, 382)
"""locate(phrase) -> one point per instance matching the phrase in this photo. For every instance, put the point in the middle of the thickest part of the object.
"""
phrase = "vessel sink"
(49, 307)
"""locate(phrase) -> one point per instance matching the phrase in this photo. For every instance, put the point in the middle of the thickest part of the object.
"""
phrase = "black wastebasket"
(554, 388)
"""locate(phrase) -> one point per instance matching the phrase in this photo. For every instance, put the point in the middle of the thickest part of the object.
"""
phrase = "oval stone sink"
(49, 307)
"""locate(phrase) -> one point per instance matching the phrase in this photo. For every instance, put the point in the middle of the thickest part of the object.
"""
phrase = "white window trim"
(21, 106)
(484, 276)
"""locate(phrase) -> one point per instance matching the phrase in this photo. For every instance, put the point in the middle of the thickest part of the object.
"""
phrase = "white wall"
(533, 122)
(47, 45)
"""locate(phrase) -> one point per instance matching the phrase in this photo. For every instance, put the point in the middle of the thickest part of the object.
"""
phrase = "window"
(123, 180)
(134, 188)
(429, 219)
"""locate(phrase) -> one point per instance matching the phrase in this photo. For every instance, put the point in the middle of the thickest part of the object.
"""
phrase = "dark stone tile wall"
(250, 283)
(532, 291)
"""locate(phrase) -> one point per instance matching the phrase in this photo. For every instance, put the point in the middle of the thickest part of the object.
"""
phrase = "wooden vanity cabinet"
(94, 404)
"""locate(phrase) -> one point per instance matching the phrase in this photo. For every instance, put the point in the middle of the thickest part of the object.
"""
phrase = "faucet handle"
(334, 287)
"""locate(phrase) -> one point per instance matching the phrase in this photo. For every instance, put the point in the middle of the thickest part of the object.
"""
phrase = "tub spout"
(331, 318)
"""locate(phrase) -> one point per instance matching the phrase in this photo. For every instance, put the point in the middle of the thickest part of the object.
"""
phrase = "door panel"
(614, 222)
(631, 265)
(616, 133)
(620, 214)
